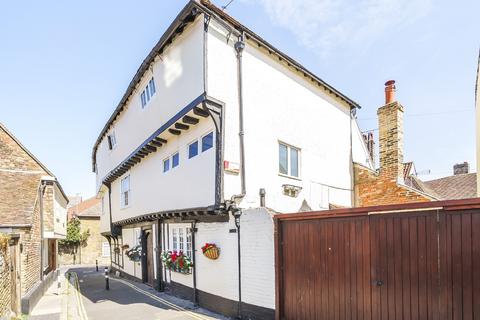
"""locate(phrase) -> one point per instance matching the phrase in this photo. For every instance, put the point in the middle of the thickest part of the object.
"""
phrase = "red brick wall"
(372, 189)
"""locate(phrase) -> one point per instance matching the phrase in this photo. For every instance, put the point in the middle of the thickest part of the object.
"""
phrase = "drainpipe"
(233, 209)
(40, 196)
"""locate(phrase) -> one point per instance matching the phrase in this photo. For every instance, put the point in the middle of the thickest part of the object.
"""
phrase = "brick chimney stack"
(390, 124)
(461, 168)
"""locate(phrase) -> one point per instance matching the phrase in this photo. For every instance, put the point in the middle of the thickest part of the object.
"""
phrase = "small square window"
(166, 165)
(288, 160)
(112, 140)
(175, 160)
(207, 142)
(192, 149)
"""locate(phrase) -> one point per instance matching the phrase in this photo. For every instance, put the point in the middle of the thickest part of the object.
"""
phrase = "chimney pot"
(390, 91)
(461, 168)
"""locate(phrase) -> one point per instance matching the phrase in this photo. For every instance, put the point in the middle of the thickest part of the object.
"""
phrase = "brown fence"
(416, 261)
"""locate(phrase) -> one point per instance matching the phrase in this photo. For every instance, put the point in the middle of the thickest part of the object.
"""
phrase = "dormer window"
(112, 140)
(148, 93)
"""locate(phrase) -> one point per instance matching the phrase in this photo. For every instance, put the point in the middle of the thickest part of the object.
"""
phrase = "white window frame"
(105, 249)
(122, 192)
(171, 160)
(146, 95)
(289, 164)
(182, 240)
(111, 143)
(169, 165)
(198, 149)
(175, 240)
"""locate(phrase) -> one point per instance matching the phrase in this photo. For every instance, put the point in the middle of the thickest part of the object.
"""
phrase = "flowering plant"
(211, 251)
(135, 253)
(177, 261)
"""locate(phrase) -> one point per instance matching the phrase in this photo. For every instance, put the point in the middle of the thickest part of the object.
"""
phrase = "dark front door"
(150, 257)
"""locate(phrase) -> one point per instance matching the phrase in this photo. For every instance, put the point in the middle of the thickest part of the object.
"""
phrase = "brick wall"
(48, 212)
(12, 156)
(372, 189)
(5, 293)
(30, 256)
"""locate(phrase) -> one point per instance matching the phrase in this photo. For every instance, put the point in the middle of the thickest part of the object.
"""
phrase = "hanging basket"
(211, 251)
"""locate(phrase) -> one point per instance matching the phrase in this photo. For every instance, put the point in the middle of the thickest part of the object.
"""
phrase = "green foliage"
(75, 237)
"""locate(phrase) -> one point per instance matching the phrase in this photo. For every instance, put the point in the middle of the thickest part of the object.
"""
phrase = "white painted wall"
(105, 215)
(190, 185)
(360, 152)
(281, 105)
(178, 75)
(59, 214)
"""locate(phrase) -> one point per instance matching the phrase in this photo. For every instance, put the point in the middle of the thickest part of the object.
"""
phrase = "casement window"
(192, 149)
(137, 235)
(166, 165)
(148, 92)
(175, 239)
(288, 160)
(112, 140)
(105, 249)
(175, 160)
(182, 240)
(125, 196)
(207, 141)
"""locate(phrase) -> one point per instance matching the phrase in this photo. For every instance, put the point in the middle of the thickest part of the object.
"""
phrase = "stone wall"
(90, 252)
(5, 293)
(30, 256)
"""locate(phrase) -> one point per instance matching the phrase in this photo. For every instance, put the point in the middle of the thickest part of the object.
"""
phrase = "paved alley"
(83, 296)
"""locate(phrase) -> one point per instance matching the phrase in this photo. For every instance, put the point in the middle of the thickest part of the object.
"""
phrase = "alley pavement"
(83, 296)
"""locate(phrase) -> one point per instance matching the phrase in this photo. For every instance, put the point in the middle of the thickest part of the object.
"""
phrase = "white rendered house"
(218, 124)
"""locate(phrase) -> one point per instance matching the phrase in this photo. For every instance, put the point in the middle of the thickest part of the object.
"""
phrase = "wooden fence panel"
(409, 265)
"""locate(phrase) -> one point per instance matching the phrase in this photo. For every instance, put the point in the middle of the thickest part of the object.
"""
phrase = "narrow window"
(189, 242)
(166, 165)
(174, 240)
(207, 142)
(288, 160)
(144, 100)
(112, 140)
(175, 160)
(152, 87)
(125, 188)
(293, 162)
(147, 92)
(105, 249)
(283, 159)
(192, 149)
(181, 240)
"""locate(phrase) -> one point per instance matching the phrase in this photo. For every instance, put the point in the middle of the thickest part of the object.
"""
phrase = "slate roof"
(460, 186)
(90, 208)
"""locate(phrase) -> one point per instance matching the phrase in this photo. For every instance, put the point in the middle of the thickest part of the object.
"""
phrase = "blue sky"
(64, 67)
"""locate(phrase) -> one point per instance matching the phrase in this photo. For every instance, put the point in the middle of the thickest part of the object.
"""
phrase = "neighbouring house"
(96, 249)
(33, 216)
(395, 181)
(216, 126)
(462, 185)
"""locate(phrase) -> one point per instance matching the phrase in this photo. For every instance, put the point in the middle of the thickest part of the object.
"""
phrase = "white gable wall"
(280, 105)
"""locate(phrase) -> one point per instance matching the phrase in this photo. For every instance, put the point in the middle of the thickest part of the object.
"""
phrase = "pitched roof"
(47, 171)
(89, 208)
(460, 186)
(18, 195)
(192, 8)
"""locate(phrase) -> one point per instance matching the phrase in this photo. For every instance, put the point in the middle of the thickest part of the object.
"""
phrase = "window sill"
(289, 177)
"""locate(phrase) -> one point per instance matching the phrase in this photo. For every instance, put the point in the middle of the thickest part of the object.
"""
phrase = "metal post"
(96, 264)
(107, 284)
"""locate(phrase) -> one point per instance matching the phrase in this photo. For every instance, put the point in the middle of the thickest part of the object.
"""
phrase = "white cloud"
(324, 25)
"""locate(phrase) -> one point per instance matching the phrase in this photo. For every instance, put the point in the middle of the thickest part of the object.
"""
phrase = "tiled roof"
(89, 208)
(460, 186)
(18, 194)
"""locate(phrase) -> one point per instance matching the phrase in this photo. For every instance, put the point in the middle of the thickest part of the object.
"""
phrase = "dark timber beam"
(174, 131)
(190, 120)
(161, 140)
(155, 143)
(181, 126)
(200, 112)
(150, 148)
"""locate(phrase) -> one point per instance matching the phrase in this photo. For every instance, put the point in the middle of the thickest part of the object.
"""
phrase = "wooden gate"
(413, 262)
